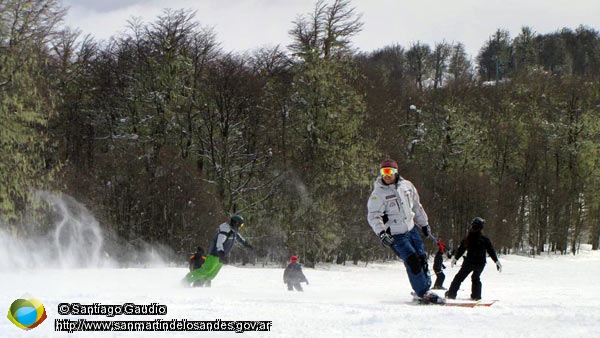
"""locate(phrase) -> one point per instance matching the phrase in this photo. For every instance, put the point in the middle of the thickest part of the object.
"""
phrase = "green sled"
(206, 272)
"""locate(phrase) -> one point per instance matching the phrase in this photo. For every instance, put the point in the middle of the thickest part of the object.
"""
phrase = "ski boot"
(449, 296)
(432, 298)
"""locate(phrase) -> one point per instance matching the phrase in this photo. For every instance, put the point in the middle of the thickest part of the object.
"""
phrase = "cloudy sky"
(243, 25)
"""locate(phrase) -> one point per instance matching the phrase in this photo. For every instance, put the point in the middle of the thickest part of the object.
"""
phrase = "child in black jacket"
(293, 275)
(196, 261)
(476, 245)
(438, 265)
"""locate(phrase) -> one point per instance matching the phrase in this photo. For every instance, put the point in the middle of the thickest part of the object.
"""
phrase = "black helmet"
(477, 223)
(236, 220)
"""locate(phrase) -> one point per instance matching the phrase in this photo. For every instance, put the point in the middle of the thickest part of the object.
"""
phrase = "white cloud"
(247, 24)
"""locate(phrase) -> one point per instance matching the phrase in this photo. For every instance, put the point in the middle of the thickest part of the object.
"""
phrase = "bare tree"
(418, 59)
(439, 62)
(327, 31)
(460, 65)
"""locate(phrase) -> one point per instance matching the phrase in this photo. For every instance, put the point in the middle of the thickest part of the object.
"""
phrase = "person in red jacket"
(293, 275)
(476, 245)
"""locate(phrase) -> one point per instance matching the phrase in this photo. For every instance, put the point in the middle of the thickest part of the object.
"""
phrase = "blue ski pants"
(409, 247)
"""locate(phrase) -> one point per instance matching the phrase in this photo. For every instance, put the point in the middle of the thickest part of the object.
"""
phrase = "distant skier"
(293, 275)
(438, 265)
(220, 247)
(476, 245)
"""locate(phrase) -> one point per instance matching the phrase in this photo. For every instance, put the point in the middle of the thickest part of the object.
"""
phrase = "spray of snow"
(69, 236)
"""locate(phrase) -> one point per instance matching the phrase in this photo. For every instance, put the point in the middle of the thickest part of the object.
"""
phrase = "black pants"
(296, 285)
(464, 271)
(439, 279)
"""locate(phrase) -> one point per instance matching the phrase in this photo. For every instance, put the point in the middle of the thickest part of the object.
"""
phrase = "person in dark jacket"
(477, 246)
(293, 275)
(195, 262)
(227, 234)
(438, 265)
(197, 259)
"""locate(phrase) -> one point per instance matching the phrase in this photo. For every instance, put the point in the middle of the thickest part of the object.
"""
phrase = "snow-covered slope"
(546, 296)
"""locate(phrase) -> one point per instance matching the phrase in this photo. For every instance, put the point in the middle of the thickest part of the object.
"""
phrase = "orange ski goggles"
(388, 171)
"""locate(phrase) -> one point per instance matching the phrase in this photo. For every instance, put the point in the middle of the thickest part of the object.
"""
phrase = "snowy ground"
(554, 296)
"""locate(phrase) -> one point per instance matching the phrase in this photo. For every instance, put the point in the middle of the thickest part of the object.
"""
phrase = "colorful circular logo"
(26, 312)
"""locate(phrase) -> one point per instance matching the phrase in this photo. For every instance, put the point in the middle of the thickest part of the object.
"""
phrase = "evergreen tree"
(327, 116)
(459, 66)
(26, 100)
(525, 53)
(495, 56)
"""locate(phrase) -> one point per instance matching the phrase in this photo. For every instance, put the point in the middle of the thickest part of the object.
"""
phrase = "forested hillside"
(163, 135)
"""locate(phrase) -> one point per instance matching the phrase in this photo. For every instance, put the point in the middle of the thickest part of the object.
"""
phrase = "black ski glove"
(386, 239)
(248, 245)
(426, 230)
(222, 258)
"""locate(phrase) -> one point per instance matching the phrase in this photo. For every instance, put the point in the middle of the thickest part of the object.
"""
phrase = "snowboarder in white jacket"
(395, 214)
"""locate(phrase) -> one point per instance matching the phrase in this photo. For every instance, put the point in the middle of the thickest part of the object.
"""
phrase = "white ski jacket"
(400, 204)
